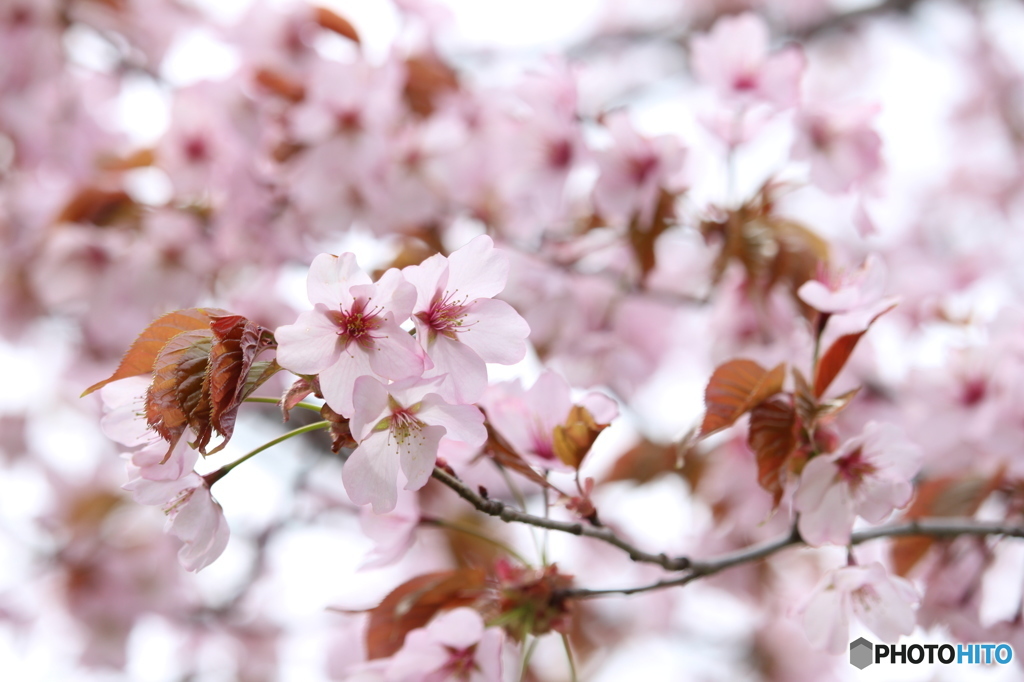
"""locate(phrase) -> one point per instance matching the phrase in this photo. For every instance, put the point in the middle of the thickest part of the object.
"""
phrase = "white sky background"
(317, 566)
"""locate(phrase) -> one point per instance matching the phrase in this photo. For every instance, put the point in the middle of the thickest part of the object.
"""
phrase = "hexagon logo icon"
(860, 653)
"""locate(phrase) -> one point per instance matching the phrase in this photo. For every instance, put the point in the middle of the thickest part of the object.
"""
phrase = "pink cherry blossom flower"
(401, 426)
(845, 292)
(869, 476)
(843, 148)
(352, 331)
(193, 516)
(633, 171)
(527, 419)
(392, 533)
(454, 646)
(884, 603)
(734, 59)
(459, 324)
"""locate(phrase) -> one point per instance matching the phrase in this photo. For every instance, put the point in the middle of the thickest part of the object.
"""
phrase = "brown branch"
(693, 568)
(506, 513)
(932, 527)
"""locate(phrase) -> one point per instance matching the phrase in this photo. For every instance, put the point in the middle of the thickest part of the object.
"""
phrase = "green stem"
(568, 655)
(215, 476)
(275, 401)
(527, 655)
(442, 523)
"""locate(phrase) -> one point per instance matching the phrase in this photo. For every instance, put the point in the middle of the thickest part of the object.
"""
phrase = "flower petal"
(495, 331)
(477, 270)
(330, 278)
(461, 422)
(370, 475)
(310, 345)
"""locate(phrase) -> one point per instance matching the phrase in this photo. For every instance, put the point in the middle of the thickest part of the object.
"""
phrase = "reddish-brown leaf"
(735, 388)
(228, 381)
(643, 237)
(97, 206)
(333, 21)
(646, 461)
(294, 395)
(412, 604)
(573, 439)
(773, 438)
(945, 496)
(834, 359)
(142, 354)
(176, 394)
(427, 80)
(280, 84)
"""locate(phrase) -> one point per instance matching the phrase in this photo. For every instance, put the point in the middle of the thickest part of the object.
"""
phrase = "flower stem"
(450, 525)
(527, 655)
(215, 476)
(275, 401)
(568, 655)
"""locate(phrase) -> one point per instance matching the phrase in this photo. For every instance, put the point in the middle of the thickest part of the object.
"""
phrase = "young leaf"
(295, 395)
(232, 357)
(946, 496)
(834, 359)
(735, 388)
(142, 354)
(412, 604)
(574, 438)
(333, 21)
(772, 438)
(179, 370)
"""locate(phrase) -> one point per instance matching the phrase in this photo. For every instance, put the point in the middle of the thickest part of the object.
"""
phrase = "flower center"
(402, 424)
(854, 468)
(444, 315)
(358, 324)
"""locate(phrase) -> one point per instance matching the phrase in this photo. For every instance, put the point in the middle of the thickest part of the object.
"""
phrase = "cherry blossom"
(400, 426)
(883, 602)
(843, 148)
(352, 331)
(845, 292)
(455, 645)
(734, 59)
(459, 324)
(527, 418)
(633, 171)
(193, 516)
(868, 476)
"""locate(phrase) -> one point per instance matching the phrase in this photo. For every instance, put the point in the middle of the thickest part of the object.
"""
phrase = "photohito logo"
(863, 653)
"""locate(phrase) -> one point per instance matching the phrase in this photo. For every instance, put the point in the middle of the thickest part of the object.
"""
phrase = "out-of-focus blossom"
(844, 292)
(458, 322)
(633, 172)
(868, 476)
(734, 59)
(842, 147)
(401, 426)
(193, 516)
(352, 331)
(455, 645)
(392, 533)
(883, 602)
(527, 418)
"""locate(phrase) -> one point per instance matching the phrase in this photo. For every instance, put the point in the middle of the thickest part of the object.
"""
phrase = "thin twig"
(932, 527)
(508, 514)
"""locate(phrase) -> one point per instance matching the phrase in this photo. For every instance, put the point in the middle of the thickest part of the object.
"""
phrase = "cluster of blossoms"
(403, 395)
(638, 253)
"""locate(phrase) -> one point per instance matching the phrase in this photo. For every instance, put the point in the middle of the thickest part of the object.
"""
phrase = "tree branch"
(505, 513)
(694, 568)
(931, 527)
